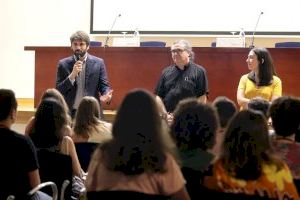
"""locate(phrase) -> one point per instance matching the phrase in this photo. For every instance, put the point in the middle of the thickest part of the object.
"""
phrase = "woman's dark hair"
(226, 108)
(246, 146)
(194, 125)
(139, 142)
(49, 122)
(266, 68)
(87, 115)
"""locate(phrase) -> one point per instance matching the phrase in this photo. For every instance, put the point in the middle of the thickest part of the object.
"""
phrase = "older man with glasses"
(181, 80)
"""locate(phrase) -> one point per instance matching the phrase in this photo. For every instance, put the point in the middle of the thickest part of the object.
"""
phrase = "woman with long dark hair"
(140, 157)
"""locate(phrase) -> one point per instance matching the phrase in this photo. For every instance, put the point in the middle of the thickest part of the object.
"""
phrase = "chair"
(42, 186)
(95, 43)
(84, 152)
(152, 44)
(57, 168)
(287, 45)
(38, 188)
(119, 194)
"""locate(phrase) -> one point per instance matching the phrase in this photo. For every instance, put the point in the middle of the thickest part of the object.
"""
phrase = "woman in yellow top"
(261, 81)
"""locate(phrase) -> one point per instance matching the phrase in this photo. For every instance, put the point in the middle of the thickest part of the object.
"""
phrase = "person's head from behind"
(8, 105)
(194, 125)
(137, 118)
(87, 114)
(246, 145)
(49, 123)
(259, 104)
(80, 42)
(181, 51)
(54, 93)
(284, 112)
(226, 108)
(261, 63)
(138, 142)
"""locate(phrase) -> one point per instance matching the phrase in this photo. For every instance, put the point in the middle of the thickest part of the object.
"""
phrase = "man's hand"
(106, 98)
(76, 69)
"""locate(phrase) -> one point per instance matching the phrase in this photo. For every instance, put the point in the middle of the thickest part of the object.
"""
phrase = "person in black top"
(19, 165)
(181, 80)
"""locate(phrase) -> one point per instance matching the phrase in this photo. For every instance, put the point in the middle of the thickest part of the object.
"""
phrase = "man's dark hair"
(80, 35)
(8, 102)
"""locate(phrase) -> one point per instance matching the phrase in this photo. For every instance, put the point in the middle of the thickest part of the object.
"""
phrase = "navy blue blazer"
(96, 81)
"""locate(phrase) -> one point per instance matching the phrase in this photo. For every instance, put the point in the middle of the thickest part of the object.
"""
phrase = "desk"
(141, 67)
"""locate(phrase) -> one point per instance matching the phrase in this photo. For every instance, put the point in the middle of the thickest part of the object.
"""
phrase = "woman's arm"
(241, 99)
(69, 149)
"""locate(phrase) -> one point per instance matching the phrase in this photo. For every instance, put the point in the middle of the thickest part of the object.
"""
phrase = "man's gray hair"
(187, 46)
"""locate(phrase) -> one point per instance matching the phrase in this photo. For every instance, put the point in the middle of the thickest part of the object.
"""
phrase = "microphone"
(77, 56)
(112, 26)
(252, 42)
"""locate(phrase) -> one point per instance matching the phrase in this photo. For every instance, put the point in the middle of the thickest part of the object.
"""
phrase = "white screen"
(195, 16)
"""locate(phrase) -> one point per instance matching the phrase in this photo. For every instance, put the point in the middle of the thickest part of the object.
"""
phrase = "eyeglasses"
(177, 50)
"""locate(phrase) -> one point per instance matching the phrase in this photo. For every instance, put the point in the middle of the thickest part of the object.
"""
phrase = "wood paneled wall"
(137, 67)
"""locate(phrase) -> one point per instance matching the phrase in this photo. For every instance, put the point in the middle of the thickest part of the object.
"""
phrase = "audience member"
(259, 104)
(182, 79)
(261, 81)
(19, 164)
(87, 126)
(226, 109)
(140, 157)
(53, 93)
(247, 165)
(284, 112)
(82, 74)
(194, 128)
(48, 131)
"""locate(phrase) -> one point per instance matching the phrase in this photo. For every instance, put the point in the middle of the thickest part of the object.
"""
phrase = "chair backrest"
(84, 152)
(120, 194)
(287, 45)
(41, 186)
(152, 44)
(95, 43)
(55, 167)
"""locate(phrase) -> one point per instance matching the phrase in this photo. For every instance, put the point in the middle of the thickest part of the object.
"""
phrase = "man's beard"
(79, 53)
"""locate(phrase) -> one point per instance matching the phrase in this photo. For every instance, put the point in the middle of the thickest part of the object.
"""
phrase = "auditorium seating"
(152, 44)
(95, 44)
(287, 45)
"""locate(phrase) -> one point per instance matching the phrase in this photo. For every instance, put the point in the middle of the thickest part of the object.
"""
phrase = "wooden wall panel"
(137, 67)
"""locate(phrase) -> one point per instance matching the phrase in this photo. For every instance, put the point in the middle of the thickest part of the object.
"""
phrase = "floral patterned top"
(289, 152)
(273, 183)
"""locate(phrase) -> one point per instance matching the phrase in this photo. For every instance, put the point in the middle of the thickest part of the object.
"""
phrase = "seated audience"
(48, 131)
(247, 165)
(19, 165)
(194, 128)
(87, 126)
(226, 108)
(140, 157)
(285, 114)
(54, 93)
(259, 104)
